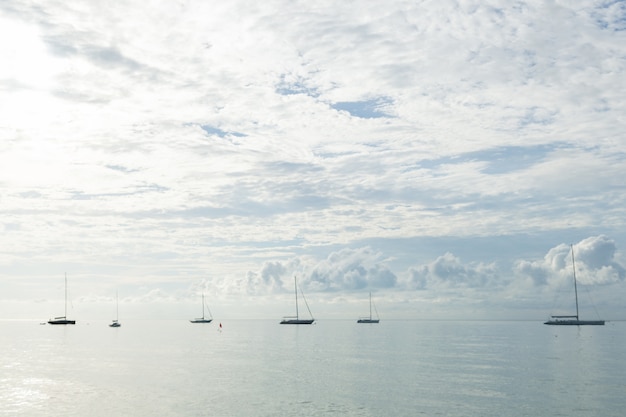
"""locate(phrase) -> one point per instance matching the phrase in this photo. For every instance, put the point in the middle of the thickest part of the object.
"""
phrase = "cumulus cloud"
(447, 271)
(270, 279)
(594, 261)
(351, 269)
(345, 270)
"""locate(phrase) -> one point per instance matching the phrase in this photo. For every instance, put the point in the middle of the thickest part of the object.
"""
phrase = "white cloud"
(345, 270)
(447, 271)
(349, 270)
(595, 264)
(231, 140)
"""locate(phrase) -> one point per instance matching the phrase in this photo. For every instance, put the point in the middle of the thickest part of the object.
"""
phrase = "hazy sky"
(441, 154)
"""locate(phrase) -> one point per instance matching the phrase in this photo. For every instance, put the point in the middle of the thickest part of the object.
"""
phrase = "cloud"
(447, 271)
(258, 142)
(345, 270)
(351, 269)
(595, 264)
(270, 280)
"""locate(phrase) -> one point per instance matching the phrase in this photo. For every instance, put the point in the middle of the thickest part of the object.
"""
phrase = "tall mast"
(575, 286)
(370, 305)
(295, 286)
(66, 295)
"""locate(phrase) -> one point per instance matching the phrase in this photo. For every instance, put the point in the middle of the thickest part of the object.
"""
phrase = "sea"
(331, 368)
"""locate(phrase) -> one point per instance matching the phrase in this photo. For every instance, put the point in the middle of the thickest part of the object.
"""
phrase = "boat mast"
(65, 295)
(370, 305)
(575, 286)
(295, 286)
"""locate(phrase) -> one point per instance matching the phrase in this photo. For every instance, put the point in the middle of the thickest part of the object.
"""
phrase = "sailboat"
(296, 319)
(203, 319)
(573, 320)
(63, 320)
(116, 322)
(369, 319)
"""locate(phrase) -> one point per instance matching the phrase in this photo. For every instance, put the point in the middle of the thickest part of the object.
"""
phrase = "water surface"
(334, 367)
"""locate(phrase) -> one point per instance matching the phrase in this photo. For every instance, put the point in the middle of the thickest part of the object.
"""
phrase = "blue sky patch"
(499, 160)
(211, 130)
(287, 87)
(369, 109)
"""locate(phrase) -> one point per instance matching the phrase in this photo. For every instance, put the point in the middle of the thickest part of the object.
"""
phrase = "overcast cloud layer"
(441, 154)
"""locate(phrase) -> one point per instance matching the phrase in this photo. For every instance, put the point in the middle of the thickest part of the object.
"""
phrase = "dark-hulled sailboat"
(116, 322)
(296, 319)
(63, 319)
(203, 319)
(573, 320)
(369, 319)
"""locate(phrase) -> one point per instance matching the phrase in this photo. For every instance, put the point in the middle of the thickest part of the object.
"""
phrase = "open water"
(260, 368)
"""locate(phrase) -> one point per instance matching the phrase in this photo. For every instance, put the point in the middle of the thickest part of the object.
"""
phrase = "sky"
(442, 155)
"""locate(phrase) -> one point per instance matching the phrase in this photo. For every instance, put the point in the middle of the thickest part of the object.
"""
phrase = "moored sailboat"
(573, 320)
(203, 319)
(63, 319)
(369, 319)
(296, 319)
(116, 322)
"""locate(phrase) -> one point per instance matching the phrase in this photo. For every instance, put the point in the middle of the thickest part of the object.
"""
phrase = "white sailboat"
(116, 322)
(296, 319)
(573, 320)
(369, 319)
(63, 319)
(203, 319)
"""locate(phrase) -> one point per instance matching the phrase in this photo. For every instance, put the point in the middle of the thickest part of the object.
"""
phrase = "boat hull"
(61, 321)
(297, 321)
(201, 321)
(368, 321)
(575, 322)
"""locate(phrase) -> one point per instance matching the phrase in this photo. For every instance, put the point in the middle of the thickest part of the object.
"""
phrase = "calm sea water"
(260, 368)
